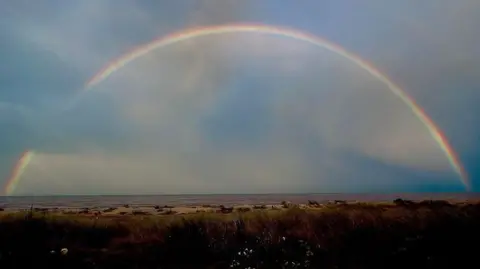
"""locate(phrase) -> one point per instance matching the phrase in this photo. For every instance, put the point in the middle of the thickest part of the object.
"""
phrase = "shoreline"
(195, 208)
(65, 202)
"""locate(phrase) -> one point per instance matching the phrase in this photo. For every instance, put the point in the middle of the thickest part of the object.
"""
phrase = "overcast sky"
(237, 113)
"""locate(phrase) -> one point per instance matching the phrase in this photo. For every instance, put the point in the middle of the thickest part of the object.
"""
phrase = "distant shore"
(228, 200)
(214, 208)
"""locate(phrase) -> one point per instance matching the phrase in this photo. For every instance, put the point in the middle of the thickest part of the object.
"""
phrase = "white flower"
(64, 251)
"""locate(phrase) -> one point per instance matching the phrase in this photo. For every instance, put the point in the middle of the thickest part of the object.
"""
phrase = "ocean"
(77, 201)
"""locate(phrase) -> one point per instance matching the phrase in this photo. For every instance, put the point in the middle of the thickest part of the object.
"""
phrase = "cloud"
(18, 127)
(235, 112)
(430, 49)
(90, 33)
(171, 103)
(156, 173)
(5, 107)
(80, 34)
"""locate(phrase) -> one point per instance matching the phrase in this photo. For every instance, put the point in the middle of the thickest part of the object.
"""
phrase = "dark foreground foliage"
(404, 235)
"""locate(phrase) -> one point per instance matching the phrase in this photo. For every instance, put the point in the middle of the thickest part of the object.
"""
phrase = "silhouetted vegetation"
(138, 212)
(110, 209)
(244, 209)
(312, 203)
(429, 234)
(225, 210)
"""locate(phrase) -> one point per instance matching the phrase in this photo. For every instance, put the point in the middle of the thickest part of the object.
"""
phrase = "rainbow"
(183, 35)
(17, 172)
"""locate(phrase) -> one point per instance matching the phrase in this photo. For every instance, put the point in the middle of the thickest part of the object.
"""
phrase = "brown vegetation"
(110, 209)
(259, 207)
(312, 203)
(225, 210)
(244, 209)
(429, 234)
(138, 212)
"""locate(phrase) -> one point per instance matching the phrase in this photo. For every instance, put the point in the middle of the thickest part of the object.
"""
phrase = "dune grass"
(423, 235)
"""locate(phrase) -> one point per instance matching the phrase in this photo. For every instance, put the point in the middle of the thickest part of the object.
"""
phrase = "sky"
(238, 112)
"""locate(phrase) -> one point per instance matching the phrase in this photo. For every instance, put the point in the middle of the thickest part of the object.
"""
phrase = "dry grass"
(400, 235)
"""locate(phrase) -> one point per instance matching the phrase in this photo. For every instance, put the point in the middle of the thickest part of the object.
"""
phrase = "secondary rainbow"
(17, 172)
(183, 35)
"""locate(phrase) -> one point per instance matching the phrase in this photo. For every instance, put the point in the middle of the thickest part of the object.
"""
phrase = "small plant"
(244, 209)
(225, 210)
(169, 212)
(402, 202)
(84, 211)
(139, 212)
(110, 209)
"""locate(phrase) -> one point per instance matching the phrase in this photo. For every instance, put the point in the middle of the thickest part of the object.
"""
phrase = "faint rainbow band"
(17, 171)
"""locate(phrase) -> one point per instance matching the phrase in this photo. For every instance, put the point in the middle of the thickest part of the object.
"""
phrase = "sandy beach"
(164, 209)
(159, 210)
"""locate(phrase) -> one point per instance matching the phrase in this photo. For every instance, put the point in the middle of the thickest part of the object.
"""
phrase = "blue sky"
(241, 112)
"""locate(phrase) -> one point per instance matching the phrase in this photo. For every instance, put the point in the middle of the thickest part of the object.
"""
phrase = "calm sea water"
(21, 202)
